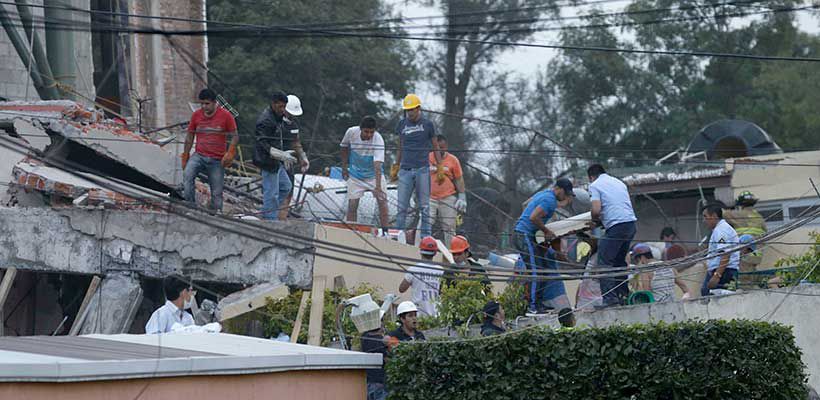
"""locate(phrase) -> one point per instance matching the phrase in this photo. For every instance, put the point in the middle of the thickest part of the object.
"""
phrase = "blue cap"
(747, 239)
(642, 249)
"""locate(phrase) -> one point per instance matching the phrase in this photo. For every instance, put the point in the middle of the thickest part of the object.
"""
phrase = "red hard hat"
(459, 244)
(428, 244)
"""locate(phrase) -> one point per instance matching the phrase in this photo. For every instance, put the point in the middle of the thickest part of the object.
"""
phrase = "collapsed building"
(61, 227)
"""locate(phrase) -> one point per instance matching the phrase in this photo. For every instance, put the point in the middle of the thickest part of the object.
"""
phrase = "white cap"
(406, 307)
(294, 106)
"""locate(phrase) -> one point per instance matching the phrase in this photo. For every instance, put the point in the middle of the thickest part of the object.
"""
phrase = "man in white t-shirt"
(362, 159)
(722, 266)
(425, 279)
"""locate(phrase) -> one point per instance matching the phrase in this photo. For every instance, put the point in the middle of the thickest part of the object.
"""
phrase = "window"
(772, 214)
(796, 212)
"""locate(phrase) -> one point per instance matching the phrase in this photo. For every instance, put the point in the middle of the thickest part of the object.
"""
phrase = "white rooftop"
(106, 357)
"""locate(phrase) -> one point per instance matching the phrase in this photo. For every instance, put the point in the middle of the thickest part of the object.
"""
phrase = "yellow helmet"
(411, 101)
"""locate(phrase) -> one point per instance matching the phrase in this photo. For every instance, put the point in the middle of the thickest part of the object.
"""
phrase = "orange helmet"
(459, 244)
(428, 245)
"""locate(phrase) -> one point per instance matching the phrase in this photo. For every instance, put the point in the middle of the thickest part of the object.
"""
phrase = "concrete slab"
(93, 241)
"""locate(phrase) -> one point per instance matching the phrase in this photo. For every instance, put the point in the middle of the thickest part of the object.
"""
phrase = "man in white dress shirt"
(178, 295)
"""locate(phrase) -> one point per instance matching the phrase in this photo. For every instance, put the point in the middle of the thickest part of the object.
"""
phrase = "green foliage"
(687, 360)
(806, 265)
(463, 302)
(514, 300)
(280, 314)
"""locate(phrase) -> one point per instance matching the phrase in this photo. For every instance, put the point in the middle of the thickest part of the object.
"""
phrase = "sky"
(527, 61)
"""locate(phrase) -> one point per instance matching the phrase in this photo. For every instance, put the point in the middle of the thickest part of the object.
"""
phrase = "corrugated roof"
(668, 173)
(110, 357)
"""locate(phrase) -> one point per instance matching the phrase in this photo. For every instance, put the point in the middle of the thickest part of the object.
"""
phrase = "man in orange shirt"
(447, 192)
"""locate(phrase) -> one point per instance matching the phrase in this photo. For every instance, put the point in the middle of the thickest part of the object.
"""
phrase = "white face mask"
(187, 305)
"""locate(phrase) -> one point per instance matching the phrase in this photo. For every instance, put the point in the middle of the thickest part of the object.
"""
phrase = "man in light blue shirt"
(362, 151)
(722, 267)
(612, 207)
(537, 212)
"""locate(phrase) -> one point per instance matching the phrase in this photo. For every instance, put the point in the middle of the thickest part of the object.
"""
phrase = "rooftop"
(111, 357)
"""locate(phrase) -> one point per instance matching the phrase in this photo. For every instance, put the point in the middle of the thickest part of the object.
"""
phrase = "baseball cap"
(642, 249)
(565, 184)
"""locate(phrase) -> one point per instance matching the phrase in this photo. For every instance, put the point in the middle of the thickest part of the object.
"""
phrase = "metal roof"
(109, 357)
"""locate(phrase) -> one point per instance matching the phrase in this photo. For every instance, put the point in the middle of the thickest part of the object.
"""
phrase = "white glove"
(686, 296)
(307, 163)
(286, 157)
(461, 203)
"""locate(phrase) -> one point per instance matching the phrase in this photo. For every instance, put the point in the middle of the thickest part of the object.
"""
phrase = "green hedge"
(688, 360)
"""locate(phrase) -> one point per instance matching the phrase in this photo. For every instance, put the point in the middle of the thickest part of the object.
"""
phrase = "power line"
(278, 31)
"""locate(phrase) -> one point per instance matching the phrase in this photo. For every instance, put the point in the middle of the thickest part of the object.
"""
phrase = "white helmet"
(406, 307)
(294, 106)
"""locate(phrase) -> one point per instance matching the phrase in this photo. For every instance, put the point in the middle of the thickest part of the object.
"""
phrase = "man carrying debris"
(375, 341)
(416, 140)
(178, 294)
(612, 208)
(538, 209)
(721, 266)
(408, 318)
(425, 279)
(291, 142)
(447, 192)
(211, 125)
(270, 155)
(362, 159)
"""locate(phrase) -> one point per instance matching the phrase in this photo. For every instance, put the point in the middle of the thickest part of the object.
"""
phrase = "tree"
(339, 80)
(462, 71)
(620, 105)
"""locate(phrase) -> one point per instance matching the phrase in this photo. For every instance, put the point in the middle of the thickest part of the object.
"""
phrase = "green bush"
(514, 300)
(803, 264)
(280, 314)
(687, 360)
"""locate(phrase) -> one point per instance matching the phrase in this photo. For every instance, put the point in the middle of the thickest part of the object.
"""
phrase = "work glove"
(440, 175)
(394, 173)
(230, 155)
(305, 163)
(461, 203)
(286, 157)
(184, 157)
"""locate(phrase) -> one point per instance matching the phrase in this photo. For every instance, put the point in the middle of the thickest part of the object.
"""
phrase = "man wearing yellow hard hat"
(417, 138)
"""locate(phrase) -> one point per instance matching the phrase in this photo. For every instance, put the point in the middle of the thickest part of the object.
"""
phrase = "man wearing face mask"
(179, 295)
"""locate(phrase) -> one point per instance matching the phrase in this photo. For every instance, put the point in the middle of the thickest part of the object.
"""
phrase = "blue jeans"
(275, 189)
(211, 167)
(541, 293)
(612, 250)
(414, 180)
(728, 276)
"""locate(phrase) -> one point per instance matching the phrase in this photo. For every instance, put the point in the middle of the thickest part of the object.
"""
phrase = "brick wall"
(13, 75)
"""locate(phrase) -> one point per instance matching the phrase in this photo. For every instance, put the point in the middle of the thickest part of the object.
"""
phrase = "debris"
(250, 299)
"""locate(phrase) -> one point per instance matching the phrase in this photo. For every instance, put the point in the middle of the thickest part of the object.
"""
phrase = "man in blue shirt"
(612, 208)
(417, 138)
(538, 209)
(721, 266)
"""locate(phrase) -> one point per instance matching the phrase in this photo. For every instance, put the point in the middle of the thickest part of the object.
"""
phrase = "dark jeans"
(533, 258)
(728, 276)
(212, 167)
(612, 250)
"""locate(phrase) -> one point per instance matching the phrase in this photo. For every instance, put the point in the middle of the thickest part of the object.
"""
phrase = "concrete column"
(120, 295)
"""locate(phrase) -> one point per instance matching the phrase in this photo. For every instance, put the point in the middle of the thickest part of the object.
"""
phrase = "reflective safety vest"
(746, 220)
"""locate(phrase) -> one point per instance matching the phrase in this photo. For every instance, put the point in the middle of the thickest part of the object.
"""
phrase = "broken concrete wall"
(94, 241)
(113, 306)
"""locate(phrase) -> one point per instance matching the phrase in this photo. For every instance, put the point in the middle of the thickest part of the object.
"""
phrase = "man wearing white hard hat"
(408, 318)
(293, 109)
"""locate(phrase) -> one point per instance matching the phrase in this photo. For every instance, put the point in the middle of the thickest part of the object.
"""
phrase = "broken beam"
(300, 315)
(317, 305)
(5, 289)
(83, 311)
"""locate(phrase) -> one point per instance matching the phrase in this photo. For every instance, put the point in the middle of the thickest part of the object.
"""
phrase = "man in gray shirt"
(417, 138)
(612, 208)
